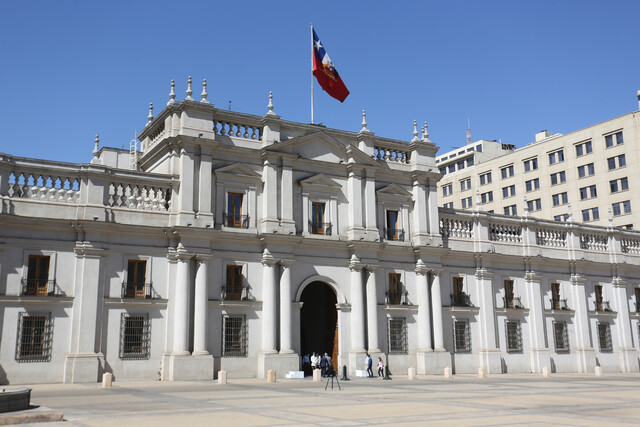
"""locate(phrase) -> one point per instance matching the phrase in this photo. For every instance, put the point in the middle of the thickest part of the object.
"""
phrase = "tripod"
(331, 374)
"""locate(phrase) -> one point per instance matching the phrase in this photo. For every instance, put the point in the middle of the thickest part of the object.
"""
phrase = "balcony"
(513, 302)
(141, 291)
(42, 288)
(396, 234)
(228, 293)
(235, 221)
(396, 298)
(322, 228)
(461, 300)
(602, 306)
(559, 304)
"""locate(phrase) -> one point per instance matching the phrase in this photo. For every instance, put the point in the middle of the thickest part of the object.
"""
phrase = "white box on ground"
(361, 373)
(294, 374)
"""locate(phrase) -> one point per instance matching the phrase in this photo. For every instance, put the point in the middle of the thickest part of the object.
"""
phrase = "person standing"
(369, 364)
(315, 361)
(323, 365)
(380, 368)
(306, 364)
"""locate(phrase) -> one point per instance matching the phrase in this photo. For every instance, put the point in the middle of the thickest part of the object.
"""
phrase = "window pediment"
(393, 193)
(239, 173)
(320, 184)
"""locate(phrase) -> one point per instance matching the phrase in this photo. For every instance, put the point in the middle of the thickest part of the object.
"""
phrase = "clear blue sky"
(73, 69)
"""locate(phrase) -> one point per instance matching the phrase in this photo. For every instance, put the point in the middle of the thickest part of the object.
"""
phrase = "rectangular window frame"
(513, 336)
(34, 337)
(561, 337)
(397, 335)
(605, 342)
(135, 336)
(234, 336)
(461, 336)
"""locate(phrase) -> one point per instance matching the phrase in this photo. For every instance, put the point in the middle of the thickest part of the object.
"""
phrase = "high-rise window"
(447, 189)
(467, 202)
(614, 138)
(583, 148)
(619, 160)
(511, 210)
(586, 170)
(588, 192)
(485, 178)
(620, 184)
(621, 208)
(555, 296)
(507, 171)
(532, 184)
(556, 157)
(508, 191)
(534, 205)
(590, 214)
(465, 184)
(448, 205)
(558, 178)
(487, 197)
(560, 199)
(531, 164)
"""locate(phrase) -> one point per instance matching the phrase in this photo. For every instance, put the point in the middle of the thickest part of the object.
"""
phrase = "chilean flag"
(326, 72)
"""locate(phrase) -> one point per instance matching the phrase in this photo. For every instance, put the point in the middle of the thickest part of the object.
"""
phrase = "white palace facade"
(239, 242)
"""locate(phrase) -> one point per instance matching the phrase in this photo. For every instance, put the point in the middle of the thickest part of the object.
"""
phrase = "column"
(269, 222)
(424, 308)
(269, 303)
(286, 197)
(436, 309)
(419, 230)
(371, 223)
(628, 354)
(185, 194)
(432, 206)
(285, 308)
(354, 192)
(372, 309)
(201, 300)
(540, 357)
(181, 308)
(584, 351)
(357, 306)
(204, 189)
(489, 354)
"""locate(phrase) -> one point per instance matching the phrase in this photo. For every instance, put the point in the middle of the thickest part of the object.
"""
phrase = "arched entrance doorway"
(319, 321)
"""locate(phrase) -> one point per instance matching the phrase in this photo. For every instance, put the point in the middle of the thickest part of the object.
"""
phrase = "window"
(561, 337)
(37, 282)
(556, 157)
(621, 160)
(637, 291)
(558, 178)
(534, 205)
(555, 296)
(317, 218)
(470, 161)
(443, 170)
(509, 191)
(588, 192)
(604, 337)
(514, 336)
(487, 197)
(461, 336)
(621, 208)
(532, 184)
(531, 164)
(460, 165)
(586, 170)
(459, 297)
(467, 202)
(35, 333)
(465, 184)
(617, 185)
(591, 214)
(447, 189)
(479, 148)
(614, 137)
(485, 178)
(511, 210)
(598, 297)
(234, 340)
(392, 231)
(561, 218)
(397, 329)
(508, 294)
(233, 288)
(448, 205)
(452, 167)
(583, 148)
(507, 171)
(395, 288)
(134, 336)
(233, 217)
(560, 199)
(135, 287)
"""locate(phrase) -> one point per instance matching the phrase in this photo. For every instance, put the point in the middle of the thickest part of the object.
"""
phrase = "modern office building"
(239, 242)
(587, 174)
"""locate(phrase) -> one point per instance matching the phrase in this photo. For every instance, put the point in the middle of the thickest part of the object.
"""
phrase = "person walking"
(306, 364)
(323, 365)
(380, 368)
(315, 361)
(369, 364)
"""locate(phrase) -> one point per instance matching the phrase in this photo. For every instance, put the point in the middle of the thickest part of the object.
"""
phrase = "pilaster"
(628, 354)
(372, 309)
(586, 355)
(539, 353)
(488, 351)
(355, 229)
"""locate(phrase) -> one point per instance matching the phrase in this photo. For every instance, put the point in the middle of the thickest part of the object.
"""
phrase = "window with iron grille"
(135, 336)
(35, 333)
(462, 336)
(561, 337)
(514, 336)
(234, 338)
(397, 331)
(604, 338)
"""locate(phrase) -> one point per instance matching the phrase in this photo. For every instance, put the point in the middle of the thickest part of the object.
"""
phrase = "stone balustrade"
(389, 154)
(505, 232)
(552, 235)
(456, 227)
(237, 130)
(594, 241)
(138, 196)
(630, 244)
(38, 182)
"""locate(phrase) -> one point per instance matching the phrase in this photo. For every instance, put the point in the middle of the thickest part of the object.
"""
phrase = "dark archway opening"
(319, 321)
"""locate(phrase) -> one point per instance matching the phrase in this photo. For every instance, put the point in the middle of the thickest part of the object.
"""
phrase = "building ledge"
(399, 307)
(461, 309)
(550, 312)
(130, 302)
(33, 299)
(236, 303)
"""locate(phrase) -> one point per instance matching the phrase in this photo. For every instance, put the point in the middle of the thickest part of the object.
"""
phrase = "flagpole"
(312, 73)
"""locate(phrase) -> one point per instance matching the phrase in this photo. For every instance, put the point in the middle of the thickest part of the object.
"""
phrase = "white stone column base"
(83, 367)
(628, 359)
(432, 362)
(281, 363)
(586, 358)
(269, 226)
(356, 361)
(356, 233)
(491, 359)
(188, 367)
(540, 358)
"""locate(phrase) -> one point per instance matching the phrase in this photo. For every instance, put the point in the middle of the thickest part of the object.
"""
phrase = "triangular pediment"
(393, 192)
(319, 146)
(238, 172)
(320, 182)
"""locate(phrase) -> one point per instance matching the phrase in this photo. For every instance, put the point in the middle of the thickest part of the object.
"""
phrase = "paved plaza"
(465, 400)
